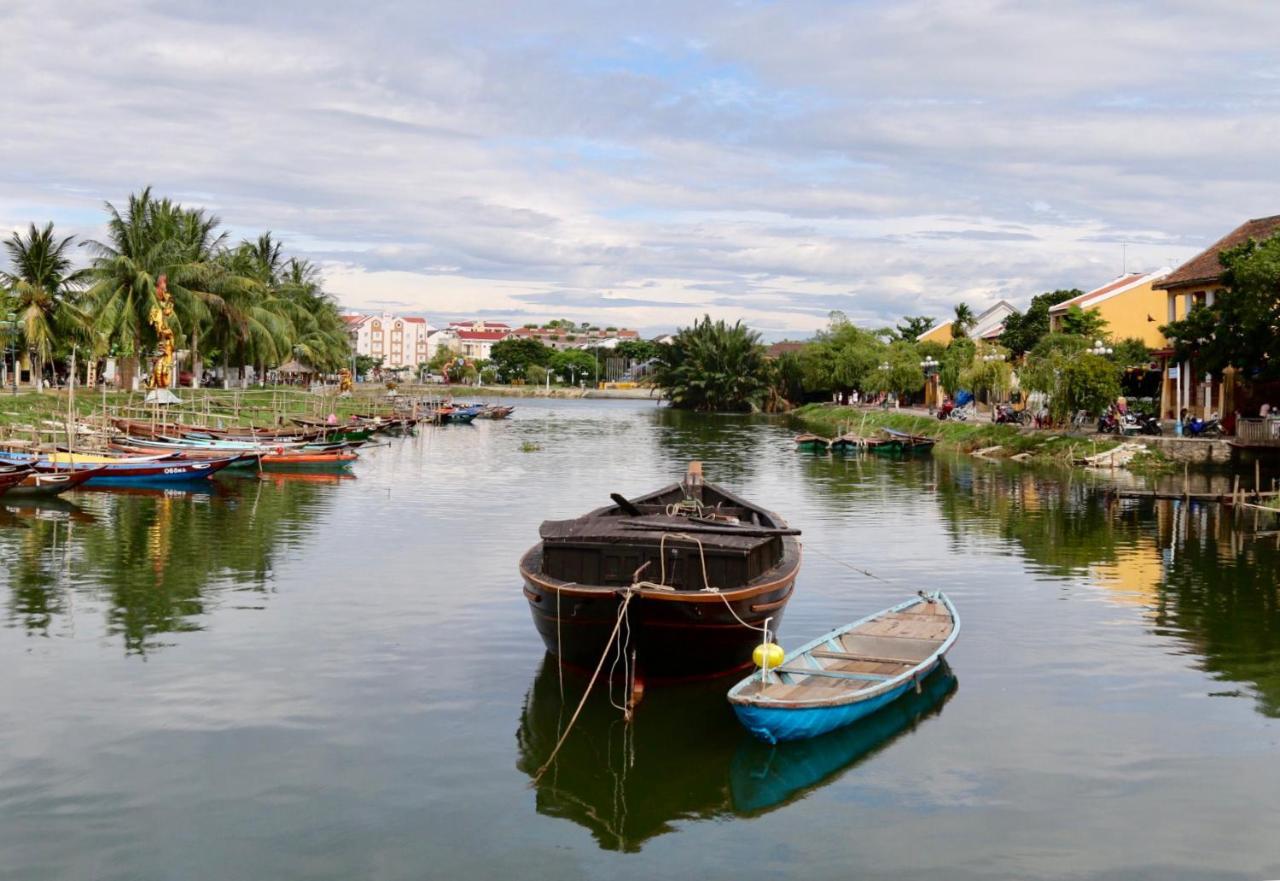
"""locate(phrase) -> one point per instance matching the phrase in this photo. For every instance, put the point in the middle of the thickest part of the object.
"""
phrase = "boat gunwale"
(701, 595)
(924, 666)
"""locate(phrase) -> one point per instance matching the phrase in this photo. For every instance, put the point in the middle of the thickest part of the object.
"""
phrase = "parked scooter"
(1149, 423)
(1197, 427)
(1005, 414)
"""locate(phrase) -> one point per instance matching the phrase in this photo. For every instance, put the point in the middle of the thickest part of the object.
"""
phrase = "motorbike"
(1005, 414)
(1197, 427)
(1149, 423)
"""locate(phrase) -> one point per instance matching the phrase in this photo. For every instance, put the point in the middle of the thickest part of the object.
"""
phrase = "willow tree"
(42, 288)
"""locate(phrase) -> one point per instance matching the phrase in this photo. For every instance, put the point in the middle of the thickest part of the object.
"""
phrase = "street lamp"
(1100, 348)
(993, 356)
(930, 367)
(13, 347)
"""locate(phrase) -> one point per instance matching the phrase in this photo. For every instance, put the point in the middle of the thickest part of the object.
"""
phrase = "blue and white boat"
(849, 673)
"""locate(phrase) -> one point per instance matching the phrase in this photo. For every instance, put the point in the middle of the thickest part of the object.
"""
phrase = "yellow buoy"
(770, 654)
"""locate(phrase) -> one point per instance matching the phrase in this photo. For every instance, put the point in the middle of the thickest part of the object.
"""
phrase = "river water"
(338, 678)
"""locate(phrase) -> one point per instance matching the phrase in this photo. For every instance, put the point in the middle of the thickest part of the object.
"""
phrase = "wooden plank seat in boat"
(834, 674)
(889, 648)
(847, 656)
(917, 627)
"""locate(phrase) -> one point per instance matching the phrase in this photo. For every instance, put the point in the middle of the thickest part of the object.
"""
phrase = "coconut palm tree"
(42, 286)
(155, 237)
(963, 322)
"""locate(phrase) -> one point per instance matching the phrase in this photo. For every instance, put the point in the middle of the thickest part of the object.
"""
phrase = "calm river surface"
(323, 678)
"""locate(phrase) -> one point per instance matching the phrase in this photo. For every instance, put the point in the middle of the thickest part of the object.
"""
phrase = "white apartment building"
(400, 341)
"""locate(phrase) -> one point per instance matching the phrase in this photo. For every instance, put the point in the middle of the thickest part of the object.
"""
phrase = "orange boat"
(291, 460)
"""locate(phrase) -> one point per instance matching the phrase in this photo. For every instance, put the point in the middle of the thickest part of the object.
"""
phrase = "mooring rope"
(617, 625)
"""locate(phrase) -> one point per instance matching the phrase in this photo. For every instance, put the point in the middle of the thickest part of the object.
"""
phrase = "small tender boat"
(812, 443)
(289, 460)
(848, 673)
(496, 412)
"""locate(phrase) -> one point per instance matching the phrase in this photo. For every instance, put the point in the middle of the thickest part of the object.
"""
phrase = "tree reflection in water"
(152, 560)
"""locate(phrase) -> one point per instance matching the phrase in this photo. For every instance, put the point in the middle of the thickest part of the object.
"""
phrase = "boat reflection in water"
(764, 777)
(684, 756)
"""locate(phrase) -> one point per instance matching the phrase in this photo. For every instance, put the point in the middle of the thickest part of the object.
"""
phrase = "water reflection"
(684, 757)
(764, 777)
(150, 559)
(1203, 572)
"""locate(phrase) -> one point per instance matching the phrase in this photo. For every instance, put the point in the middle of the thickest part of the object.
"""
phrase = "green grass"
(963, 437)
(27, 412)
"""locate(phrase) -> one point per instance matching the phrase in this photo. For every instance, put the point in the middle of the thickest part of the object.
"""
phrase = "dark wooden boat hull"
(43, 484)
(676, 635)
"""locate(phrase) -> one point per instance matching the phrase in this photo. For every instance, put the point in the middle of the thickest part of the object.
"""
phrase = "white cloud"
(762, 161)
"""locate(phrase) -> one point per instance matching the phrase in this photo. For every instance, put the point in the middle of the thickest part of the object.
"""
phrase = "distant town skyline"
(640, 165)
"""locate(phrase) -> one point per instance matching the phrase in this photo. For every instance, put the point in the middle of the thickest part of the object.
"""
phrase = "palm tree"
(155, 237)
(42, 285)
(714, 366)
(963, 322)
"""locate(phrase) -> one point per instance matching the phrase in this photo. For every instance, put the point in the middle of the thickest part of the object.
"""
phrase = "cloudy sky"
(641, 163)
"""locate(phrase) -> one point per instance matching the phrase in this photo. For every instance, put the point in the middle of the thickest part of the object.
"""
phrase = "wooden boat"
(812, 443)
(849, 673)
(496, 412)
(766, 776)
(145, 469)
(910, 443)
(42, 484)
(692, 564)
(307, 461)
(12, 475)
(849, 443)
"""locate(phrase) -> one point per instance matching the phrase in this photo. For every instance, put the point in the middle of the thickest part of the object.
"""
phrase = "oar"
(626, 504)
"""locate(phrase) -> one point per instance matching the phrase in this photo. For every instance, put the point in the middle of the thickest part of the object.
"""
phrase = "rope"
(617, 625)
(857, 569)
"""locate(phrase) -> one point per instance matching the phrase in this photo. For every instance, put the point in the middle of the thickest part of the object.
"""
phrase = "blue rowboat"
(145, 469)
(849, 673)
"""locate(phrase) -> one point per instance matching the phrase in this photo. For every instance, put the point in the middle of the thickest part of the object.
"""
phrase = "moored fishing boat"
(42, 484)
(691, 568)
(848, 673)
(12, 475)
(167, 468)
(812, 443)
(849, 443)
(910, 443)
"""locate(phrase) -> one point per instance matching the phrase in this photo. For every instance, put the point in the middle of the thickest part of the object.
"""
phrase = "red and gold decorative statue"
(344, 380)
(159, 317)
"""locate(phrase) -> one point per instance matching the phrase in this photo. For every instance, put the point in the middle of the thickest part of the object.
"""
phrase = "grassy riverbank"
(994, 441)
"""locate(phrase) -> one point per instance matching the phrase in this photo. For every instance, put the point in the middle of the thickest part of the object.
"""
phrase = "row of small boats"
(457, 413)
(142, 452)
(887, 441)
(697, 574)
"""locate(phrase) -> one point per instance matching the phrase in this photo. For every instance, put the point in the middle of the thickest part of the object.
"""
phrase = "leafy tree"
(535, 374)
(912, 326)
(42, 286)
(904, 374)
(714, 366)
(637, 351)
(488, 374)
(512, 357)
(844, 357)
(1131, 352)
(985, 374)
(963, 321)
(1023, 330)
(1061, 366)
(573, 365)
(1088, 324)
(957, 358)
(366, 363)
(1242, 327)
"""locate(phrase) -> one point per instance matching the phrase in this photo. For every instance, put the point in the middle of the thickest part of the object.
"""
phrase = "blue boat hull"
(777, 724)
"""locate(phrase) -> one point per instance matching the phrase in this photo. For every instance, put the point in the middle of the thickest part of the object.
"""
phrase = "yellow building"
(1130, 305)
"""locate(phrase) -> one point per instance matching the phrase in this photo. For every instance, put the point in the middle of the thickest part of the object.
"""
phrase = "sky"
(640, 164)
